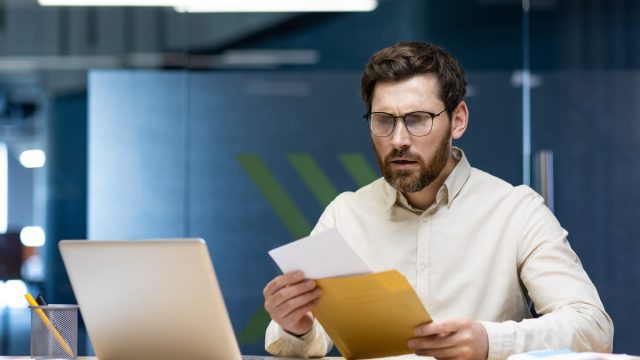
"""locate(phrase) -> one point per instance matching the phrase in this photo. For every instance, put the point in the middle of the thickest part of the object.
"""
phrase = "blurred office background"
(239, 127)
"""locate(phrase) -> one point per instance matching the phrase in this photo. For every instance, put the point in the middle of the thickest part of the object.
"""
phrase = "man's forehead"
(419, 88)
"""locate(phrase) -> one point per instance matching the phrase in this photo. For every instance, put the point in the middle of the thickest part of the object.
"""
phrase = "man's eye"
(415, 118)
(384, 120)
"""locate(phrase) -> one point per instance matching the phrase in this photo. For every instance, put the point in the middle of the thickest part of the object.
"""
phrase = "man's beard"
(412, 180)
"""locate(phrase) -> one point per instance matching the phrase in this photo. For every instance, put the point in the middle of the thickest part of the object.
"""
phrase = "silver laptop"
(150, 299)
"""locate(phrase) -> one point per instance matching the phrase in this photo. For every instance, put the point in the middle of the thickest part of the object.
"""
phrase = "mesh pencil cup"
(54, 331)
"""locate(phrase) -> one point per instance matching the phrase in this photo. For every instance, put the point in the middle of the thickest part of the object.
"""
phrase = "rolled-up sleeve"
(572, 315)
(315, 343)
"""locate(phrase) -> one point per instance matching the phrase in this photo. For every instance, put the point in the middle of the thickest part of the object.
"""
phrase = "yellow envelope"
(369, 316)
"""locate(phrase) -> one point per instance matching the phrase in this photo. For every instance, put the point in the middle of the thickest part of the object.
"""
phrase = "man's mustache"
(402, 153)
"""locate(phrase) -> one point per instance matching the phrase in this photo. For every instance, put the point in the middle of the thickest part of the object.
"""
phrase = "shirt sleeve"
(572, 315)
(315, 343)
(327, 219)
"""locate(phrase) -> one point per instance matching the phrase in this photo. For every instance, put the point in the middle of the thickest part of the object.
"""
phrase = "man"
(477, 250)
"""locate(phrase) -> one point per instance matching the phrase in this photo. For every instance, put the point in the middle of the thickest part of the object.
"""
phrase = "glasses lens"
(418, 123)
(381, 124)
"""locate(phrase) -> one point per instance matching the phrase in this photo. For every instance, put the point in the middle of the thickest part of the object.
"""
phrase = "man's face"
(410, 163)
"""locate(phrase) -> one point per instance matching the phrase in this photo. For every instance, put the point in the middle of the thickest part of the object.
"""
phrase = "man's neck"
(427, 196)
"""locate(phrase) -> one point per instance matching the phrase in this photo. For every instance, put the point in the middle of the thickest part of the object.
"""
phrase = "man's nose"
(400, 138)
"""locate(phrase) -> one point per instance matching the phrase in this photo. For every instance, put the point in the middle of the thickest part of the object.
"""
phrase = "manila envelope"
(370, 316)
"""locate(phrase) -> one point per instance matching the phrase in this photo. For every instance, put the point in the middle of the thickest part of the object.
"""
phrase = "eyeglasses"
(418, 123)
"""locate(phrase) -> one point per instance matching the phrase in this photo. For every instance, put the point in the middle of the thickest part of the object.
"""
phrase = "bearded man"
(480, 253)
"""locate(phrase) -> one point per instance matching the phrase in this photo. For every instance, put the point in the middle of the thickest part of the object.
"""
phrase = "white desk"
(403, 357)
(244, 358)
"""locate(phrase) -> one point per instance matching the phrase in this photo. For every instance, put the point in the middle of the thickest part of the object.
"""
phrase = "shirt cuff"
(303, 339)
(501, 337)
(279, 342)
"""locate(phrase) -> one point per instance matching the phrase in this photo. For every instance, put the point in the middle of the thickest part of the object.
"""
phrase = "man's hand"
(460, 339)
(289, 299)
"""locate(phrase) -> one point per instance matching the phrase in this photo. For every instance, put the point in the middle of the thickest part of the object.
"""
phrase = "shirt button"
(423, 267)
(424, 219)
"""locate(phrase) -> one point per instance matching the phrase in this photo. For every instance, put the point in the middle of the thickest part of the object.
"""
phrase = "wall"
(486, 35)
(250, 168)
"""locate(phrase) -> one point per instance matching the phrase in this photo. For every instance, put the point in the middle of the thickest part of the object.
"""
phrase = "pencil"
(45, 320)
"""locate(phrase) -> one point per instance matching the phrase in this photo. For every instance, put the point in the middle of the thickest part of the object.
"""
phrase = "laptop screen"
(148, 299)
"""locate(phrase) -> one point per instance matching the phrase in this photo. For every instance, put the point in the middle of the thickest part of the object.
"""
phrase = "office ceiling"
(47, 50)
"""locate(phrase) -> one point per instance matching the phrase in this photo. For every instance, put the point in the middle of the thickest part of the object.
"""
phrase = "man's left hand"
(460, 339)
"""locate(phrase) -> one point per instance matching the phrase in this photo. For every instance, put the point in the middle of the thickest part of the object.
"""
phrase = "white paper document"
(326, 254)
(567, 354)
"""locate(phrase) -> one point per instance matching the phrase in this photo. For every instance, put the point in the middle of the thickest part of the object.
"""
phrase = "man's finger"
(281, 281)
(278, 309)
(451, 352)
(292, 291)
(432, 342)
(300, 301)
(301, 311)
(440, 327)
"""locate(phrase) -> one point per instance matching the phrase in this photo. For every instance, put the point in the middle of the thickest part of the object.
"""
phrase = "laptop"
(150, 299)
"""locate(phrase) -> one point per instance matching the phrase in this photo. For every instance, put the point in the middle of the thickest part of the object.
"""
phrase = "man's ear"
(459, 120)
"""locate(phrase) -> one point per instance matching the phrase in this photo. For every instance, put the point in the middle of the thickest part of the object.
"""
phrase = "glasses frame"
(367, 118)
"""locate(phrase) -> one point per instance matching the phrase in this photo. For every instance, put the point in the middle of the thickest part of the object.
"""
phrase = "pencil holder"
(54, 332)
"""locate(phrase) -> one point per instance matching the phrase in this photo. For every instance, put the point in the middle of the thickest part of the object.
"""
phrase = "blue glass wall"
(175, 150)
(235, 170)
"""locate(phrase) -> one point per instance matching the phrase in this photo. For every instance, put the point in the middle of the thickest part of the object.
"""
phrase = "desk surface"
(245, 358)
(95, 358)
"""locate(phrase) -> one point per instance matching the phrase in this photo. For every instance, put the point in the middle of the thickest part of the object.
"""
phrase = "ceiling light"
(277, 6)
(4, 187)
(232, 5)
(265, 57)
(110, 2)
(32, 236)
(12, 294)
(34, 158)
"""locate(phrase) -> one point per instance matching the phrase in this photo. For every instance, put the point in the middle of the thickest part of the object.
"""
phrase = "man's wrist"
(485, 341)
(298, 335)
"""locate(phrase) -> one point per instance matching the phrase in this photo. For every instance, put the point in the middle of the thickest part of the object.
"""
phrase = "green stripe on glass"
(273, 192)
(358, 167)
(290, 216)
(314, 178)
(256, 327)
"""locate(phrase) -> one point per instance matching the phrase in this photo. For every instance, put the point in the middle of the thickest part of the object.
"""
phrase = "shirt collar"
(452, 185)
(458, 177)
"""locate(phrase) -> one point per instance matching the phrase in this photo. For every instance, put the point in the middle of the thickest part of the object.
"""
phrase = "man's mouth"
(401, 162)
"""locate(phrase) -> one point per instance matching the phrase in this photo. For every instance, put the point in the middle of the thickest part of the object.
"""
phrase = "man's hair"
(406, 59)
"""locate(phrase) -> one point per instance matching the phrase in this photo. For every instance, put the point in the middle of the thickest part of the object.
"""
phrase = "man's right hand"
(289, 299)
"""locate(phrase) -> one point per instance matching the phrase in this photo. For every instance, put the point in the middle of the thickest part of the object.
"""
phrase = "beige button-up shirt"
(484, 250)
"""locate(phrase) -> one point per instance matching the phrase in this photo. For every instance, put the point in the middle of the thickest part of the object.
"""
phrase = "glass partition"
(584, 116)
(45, 55)
(551, 95)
